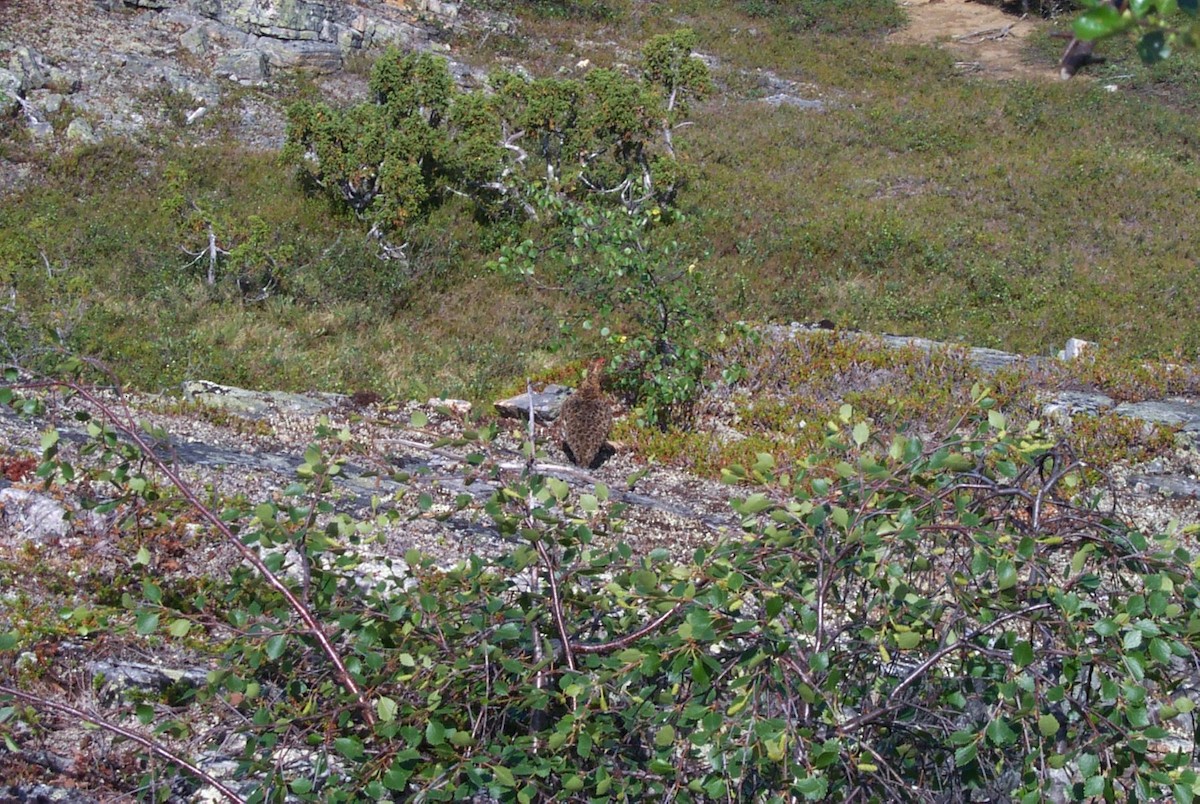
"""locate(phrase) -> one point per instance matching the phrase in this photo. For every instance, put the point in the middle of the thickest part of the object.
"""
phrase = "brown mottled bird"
(587, 417)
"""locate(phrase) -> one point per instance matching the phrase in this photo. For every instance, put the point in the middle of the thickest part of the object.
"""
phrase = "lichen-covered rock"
(29, 66)
(242, 64)
(48, 102)
(196, 40)
(31, 516)
(258, 404)
(282, 19)
(317, 57)
(10, 90)
(80, 130)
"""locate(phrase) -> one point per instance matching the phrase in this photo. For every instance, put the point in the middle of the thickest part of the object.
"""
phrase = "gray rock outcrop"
(80, 131)
(10, 90)
(243, 64)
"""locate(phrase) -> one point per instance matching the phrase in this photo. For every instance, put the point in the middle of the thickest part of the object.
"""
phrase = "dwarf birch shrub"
(898, 619)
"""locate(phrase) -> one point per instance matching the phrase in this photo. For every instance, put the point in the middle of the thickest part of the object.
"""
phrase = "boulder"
(243, 64)
(1075, 348)
(48, 102)
(35, 73)
(80, 131)
(31, 516)
(206, 8)
(10, 90)
(547, 404)
(1065, 405)
(317, 57)
(195, 40)
(1173, 412)
(28, 65)
(40, 130)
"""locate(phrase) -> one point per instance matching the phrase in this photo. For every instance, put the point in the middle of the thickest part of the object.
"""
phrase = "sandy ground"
(982, 38)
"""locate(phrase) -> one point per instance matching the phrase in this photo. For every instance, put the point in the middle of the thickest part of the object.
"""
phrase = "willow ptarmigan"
(587, 417)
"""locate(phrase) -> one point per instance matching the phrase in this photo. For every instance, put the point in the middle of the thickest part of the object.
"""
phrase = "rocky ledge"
(78, 70)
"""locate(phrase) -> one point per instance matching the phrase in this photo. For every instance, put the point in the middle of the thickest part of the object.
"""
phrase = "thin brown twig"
(150, 745)
(208, 514)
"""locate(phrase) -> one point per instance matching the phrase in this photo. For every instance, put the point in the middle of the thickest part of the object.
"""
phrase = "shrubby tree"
(223, 244)
(420, 139)
(644, 298)
(588, 167)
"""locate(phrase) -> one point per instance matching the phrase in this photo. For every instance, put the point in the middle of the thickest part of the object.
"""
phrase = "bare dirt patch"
(983, 39)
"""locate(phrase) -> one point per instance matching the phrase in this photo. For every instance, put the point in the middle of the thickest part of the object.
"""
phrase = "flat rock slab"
(1065, 404)
(259, 404)
(1175, 486)
(547, 404)
(32, 516)
(1181, 413)
(988, 361)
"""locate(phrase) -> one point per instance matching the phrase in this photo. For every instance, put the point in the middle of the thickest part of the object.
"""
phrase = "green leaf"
(9, 640)
(753, 504)
(143, 557)
(814, 788)
(1099, 23)
(966, 755)
(179, 628)
(1006, 575)
(840, 517)
(665, 736)
(1000, 733)
(1094, 787)
(1048, 725)
(418, 419)
(908, 640)
(147, 622)
(1153, 46)
(1023, 654)
(862, 432)
(275, 646)
(349, 747)
(152, 592)
(386, 708)
(1089, 765)
(435, 733)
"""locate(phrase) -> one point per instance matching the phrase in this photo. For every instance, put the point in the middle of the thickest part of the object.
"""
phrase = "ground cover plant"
(938, 616)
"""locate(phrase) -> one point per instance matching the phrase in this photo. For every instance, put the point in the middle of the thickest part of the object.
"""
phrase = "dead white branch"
(213, 252)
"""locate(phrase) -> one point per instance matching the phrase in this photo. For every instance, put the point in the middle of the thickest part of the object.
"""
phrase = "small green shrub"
(937, 618)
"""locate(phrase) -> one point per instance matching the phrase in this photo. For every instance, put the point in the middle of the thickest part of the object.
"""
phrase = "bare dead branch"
(150, 745)
(131, 431)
